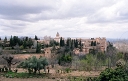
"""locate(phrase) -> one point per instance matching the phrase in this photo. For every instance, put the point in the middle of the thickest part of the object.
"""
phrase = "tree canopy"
(34, 63)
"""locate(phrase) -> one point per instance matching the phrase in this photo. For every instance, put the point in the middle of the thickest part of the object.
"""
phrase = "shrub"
(118, 74)
(68, 70)
(21, 75)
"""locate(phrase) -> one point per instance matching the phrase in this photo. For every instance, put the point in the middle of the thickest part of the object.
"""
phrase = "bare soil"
(29, 79)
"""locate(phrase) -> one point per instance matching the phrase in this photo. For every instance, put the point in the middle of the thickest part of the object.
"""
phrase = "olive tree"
(33, 63)
(9, 58)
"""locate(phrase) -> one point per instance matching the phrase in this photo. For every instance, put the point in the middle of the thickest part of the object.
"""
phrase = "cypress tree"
(62, 43)
(24, 44)
(36, 38)
(11, 41)
(76, 43)
(92, 44)
(38, 48)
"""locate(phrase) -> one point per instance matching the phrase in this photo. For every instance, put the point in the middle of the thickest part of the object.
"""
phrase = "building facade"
(98, 44)
(57, 38)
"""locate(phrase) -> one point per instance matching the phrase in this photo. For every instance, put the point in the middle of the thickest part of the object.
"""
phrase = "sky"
(71, 18)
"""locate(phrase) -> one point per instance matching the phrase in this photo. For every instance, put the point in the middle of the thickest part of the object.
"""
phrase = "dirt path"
(30, 79)
(73, 73)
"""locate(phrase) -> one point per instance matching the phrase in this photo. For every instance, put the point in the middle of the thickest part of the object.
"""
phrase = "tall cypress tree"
(11, 41)
(80, 45)
(24, 44)
(72, 44)
(67, 42)
(62, 43)
(30, 43)
(38, 48)
(92, 44)
(36, 38)
(76, 43)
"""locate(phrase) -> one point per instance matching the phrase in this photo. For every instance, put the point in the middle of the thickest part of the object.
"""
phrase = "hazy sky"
(71, 18)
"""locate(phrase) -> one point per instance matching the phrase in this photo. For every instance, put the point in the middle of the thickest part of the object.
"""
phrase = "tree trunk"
(35, 70)
(39, 71)
(9, 66)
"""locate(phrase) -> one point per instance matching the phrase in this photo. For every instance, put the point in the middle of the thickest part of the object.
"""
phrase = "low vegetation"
(33, 64)
(23, 75)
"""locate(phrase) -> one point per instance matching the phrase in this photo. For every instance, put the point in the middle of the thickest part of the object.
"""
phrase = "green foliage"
(72, 43)
(25, 42)
(93, 43)
(120, 56)
(126, 57)
(68, 70)
(36, 38)
(68, 42)
(53, 43)
(120, 63)
(92, 51)
(66, 58)
(33, 63)
(67, 49)
(22, 75)
(101, 57)
(29, 42)
(38, 48)
(21, 47)
(88, 63)
(118, 74)
(62, 43)
(14, 40)
(93, 62)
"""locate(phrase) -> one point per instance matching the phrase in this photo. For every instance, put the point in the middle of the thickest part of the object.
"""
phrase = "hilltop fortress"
(88, 44)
